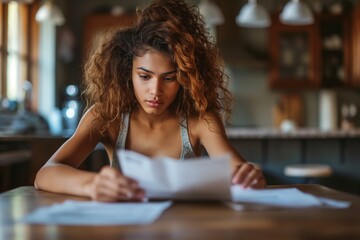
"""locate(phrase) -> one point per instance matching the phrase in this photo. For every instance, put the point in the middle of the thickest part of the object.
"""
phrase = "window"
(17, 40)
(17, 55)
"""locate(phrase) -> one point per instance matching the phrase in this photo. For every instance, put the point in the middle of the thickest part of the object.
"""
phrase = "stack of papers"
(167, 178)
(96, 213)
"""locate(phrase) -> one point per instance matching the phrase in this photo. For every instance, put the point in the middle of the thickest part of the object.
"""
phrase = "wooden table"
(210, 220)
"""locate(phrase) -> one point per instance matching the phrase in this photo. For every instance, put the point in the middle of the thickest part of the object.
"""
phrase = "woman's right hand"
(109, 185)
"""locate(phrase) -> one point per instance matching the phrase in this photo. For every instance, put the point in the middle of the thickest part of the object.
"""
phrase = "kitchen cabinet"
(355, 48)
(294, 56)
(335, 44)
(325, 54)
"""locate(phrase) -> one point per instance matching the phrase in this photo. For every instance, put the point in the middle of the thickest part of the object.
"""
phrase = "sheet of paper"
(96, 213)
(283, 197)
(191, 179)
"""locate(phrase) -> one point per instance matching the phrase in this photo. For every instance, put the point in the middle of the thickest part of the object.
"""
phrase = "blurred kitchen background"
(294, 75)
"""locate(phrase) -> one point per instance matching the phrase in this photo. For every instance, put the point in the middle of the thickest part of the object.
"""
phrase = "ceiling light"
(296, 12)
(253, 15)
(211, 13)
(50, 12)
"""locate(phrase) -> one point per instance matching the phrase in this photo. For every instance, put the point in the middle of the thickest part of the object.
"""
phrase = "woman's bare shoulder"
(91, 121)
(89, 118)
(87, 124)
(207, 122)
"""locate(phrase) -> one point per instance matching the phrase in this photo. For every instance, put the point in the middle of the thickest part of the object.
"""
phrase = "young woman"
(156, 88)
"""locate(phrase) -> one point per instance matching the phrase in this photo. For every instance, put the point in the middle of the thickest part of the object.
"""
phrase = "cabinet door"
(294, 56)
(334, 46)
(96, 24)
(355, 48)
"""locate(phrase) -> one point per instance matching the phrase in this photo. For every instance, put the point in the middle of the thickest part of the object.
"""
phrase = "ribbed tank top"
(186, 149)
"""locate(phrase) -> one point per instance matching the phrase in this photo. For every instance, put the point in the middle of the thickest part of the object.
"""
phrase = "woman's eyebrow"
(148, 71)
(145, 70)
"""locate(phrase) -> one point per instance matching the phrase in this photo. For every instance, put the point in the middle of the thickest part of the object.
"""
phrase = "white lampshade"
(211, 12)
(296, 12)
(253, 15)
(50, 12)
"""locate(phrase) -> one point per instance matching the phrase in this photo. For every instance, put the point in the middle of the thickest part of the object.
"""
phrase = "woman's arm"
(212, 136)
(60, 173)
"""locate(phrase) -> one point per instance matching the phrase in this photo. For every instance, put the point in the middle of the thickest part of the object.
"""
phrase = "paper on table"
(192, 179)
(283, 197)
(96, 213)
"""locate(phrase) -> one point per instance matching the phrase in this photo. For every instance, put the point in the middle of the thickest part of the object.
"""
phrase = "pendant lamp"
(296, 12)
(211, 13)
(50, 12)
(253, 15)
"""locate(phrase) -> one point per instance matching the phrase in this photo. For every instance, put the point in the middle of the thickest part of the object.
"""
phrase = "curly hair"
(107, 77)
(172, 27)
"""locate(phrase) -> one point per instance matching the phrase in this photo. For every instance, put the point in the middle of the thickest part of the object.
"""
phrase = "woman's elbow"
(39, 178)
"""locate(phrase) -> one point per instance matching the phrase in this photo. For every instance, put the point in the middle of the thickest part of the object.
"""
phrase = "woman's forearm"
(61, 178)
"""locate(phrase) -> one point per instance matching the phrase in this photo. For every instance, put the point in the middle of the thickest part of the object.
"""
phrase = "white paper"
(327, 202)
(96, 213)
(283, 197)
(190, 179)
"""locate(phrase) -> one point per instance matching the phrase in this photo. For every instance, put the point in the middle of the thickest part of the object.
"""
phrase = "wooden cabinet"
(334, 42)
(325, 54)
(355, 48)
(294, 56)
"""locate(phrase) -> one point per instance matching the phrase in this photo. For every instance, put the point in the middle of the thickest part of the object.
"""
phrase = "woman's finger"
(251, 178)
(260, 183)
(241, 173)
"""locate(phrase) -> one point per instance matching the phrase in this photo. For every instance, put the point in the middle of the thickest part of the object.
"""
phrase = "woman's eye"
(144, 77)
(170, 78)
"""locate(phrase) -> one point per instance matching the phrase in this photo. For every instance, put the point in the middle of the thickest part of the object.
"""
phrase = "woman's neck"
(151, 121)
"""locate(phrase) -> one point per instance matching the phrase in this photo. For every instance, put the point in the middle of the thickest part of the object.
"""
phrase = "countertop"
(267, 133)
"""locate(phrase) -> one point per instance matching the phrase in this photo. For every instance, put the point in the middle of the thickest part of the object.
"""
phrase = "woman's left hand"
(247, 175)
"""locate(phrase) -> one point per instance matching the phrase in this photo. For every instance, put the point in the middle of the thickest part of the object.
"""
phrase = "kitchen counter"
(268, 133)
(273, 150)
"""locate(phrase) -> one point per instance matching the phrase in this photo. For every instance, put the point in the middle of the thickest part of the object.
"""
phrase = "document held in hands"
(192, 179)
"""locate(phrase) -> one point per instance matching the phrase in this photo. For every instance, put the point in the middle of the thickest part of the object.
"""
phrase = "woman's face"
(154, 81)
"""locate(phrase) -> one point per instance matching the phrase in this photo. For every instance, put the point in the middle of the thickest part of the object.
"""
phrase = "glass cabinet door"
(294, 56)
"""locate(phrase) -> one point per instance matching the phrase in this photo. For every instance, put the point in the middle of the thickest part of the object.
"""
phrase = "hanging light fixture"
(253, 15)
(211, 12)
(50, 12)
(296, 12)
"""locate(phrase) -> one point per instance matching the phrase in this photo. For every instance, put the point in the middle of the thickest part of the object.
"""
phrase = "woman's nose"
(156, 88)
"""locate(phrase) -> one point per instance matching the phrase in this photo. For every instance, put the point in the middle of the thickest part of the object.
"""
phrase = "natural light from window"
(16, 58)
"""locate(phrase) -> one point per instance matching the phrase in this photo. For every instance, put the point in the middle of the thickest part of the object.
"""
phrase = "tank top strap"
(187, 150)
(121, 139)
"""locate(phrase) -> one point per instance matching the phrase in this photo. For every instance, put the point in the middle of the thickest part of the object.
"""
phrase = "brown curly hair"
(172, 27)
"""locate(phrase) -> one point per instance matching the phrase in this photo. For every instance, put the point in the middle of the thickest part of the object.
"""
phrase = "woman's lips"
(153, 103)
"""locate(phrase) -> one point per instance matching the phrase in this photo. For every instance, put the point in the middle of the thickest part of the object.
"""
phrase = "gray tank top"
(186, 149)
